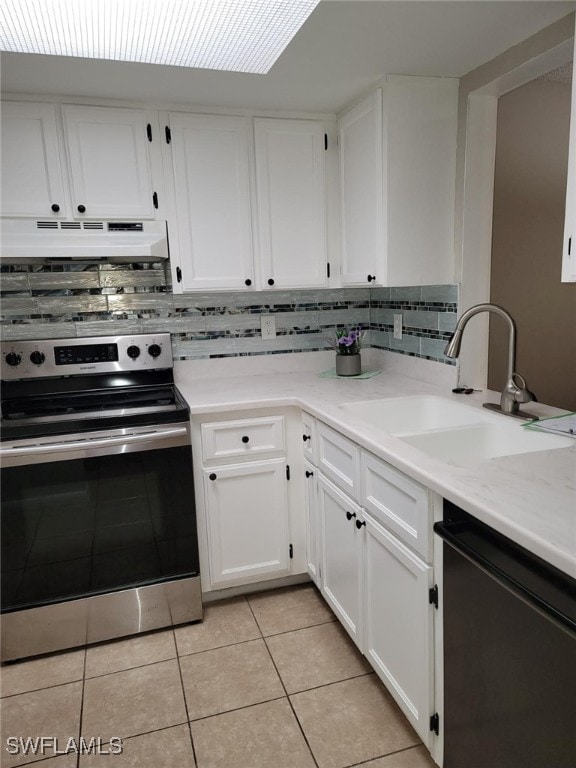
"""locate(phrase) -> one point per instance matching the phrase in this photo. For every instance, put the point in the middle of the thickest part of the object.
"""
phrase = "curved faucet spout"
(511, 394)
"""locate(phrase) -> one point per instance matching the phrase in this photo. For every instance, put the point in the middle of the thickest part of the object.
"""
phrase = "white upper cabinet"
(210, 161)
(569, 253)
(32, 181)
(109, 164)
(361, 187)
(398, 167)
(291, 195)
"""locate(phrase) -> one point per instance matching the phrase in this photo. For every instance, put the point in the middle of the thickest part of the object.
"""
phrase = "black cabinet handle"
(55, 207)
(371, 277)
(350, 515)
(360, 523)
(81, 209)
(245, 439)
(309, 474)
(271, 282)
(305, 437)
(248, 281)
(212, 476)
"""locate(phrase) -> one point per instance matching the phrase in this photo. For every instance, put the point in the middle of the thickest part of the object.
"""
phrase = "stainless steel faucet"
(513, 393)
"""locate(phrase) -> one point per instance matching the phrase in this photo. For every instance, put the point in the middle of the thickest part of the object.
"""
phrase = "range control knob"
(13, 359)
(37, 357)
(133, 351)
(154, 350)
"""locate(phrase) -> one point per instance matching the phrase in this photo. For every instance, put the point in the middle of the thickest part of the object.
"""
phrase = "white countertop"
(530, 497)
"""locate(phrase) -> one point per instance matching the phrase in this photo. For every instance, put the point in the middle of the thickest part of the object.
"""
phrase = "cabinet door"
(290, 183)
(341, 556)
(312, 523)
(569, 253)
(109, 164)
(32, 181)
(361, 189)
(213, 210)
(398, 623)
(247, 512)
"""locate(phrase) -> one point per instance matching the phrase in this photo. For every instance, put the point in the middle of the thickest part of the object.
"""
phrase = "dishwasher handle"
(538, 584)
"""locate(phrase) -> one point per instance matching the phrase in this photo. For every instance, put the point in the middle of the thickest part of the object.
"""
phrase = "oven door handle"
(90, 444)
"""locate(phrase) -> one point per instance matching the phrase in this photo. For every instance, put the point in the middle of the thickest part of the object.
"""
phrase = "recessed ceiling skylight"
(232, 35)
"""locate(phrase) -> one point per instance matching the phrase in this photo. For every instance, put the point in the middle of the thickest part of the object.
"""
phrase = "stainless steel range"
(98, 523)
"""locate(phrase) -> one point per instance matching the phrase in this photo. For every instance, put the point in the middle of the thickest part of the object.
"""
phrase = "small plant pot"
(348, 365)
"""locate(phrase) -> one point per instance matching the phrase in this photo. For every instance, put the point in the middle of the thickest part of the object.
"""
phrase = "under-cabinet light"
(232, 35)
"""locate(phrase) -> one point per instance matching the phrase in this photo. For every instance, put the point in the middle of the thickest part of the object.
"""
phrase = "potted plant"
(348, 344)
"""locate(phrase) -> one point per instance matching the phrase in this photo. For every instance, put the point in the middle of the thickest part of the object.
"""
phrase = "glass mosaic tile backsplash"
(58, 301)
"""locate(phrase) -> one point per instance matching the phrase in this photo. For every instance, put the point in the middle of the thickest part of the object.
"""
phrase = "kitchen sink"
(401, 415)
(480, 442)
(453, 432)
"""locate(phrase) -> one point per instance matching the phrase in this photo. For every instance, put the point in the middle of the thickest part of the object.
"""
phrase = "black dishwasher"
(509, 652)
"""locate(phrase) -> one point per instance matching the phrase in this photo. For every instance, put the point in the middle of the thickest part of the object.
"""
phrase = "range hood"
(65, 242)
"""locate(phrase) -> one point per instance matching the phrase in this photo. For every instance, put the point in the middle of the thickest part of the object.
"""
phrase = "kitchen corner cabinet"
(249, 497)
(110, 172)
(291, 202)
(32, 182)
(376, 565)
(209, 155)
(569, 248)
(397, 183)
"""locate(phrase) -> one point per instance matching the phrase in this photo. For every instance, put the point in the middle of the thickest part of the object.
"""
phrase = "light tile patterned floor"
(267, 681)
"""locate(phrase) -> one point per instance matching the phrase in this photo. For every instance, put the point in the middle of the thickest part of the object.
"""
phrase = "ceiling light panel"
(231, 35)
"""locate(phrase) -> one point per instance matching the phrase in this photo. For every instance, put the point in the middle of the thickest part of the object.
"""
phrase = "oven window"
(73, 529)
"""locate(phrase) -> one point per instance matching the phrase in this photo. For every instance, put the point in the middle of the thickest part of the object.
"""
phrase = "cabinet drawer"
(243, 437)
(339, 459)
(398, 502)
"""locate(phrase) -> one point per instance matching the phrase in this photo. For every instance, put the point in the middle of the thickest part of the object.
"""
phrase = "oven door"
(96, 513)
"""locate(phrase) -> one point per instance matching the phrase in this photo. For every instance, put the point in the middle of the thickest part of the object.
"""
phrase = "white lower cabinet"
(398, 623)
(247, 521)
(341, 556)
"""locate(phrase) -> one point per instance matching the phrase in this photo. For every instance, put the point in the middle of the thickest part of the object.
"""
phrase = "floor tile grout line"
(238, 709)
(217, 647)
(332, 682)
(186, 706)
(144, 733)
(288, 697)
(386, 754)
(297, 629)
(44, 688)
(80, 719)
(130, 669)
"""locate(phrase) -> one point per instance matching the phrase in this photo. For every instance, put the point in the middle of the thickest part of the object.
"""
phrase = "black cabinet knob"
(360, 523)
(350, 515)
(247, 281)
(212, 476)
(271, 282)
(55, 207)
(245, 439)
(309, 474)
(371, 277)
(305, 437)
(81, 209)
